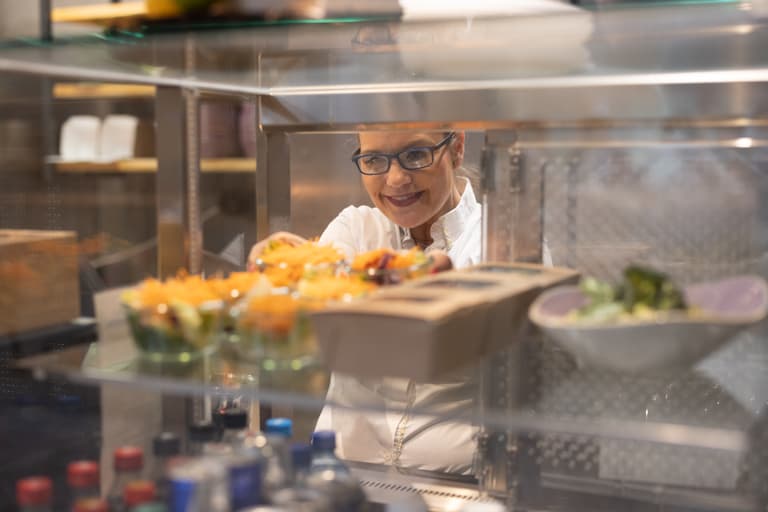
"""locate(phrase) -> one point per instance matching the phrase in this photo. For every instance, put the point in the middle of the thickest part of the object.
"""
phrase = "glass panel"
(581, 48)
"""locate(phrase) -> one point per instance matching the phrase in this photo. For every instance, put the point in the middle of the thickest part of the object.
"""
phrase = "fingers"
(281, 236)
(440, 262)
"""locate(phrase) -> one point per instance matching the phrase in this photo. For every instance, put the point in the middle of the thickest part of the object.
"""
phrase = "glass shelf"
(647, 45)
(702, 409)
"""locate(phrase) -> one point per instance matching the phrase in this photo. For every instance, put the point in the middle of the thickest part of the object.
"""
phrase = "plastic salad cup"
(273, 330)
(175, 332)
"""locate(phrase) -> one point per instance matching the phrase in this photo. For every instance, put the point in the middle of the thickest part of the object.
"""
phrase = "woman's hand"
(280, 236)
(440, 262)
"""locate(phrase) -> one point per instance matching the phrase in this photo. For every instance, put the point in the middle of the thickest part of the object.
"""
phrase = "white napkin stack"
(80, 138)
(90, 139)
(118, 137)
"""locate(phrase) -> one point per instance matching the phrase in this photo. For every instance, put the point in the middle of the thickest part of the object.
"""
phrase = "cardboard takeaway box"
(39, 284)
(429, 327)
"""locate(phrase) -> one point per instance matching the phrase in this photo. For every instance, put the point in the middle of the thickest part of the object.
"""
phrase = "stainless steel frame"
(539, 131)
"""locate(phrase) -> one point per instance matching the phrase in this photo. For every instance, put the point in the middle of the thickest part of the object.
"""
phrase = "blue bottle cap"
(301, 455)
(183, 494)
(324, 440)
(280, 426)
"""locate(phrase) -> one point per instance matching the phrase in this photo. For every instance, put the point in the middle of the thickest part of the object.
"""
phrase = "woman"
(420, 199)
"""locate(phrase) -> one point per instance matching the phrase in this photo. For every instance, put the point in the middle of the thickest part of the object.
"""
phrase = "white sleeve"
(340, 233)
(325, 421)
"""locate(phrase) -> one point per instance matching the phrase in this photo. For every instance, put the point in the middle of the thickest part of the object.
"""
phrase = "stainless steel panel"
(687, 201)
(171, 183)
(323, 180)
(564, 104)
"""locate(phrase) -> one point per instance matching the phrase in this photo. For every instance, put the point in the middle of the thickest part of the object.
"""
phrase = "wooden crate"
(39, 283)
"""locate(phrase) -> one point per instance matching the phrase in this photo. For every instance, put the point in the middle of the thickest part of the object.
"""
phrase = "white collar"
(450, 226)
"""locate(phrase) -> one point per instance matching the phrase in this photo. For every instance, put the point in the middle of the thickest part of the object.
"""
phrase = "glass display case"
(599, 139)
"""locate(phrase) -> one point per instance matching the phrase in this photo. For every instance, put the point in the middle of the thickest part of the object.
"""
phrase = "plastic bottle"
(34, 494)
(330, 476)
(235, 424)
(299, 496)
(83, 480)
(301, 460)
(138, 492)
(154, 506)
(200, 485)
(199, 434)
(91, 505)
(324, 452)
(276, 455)
(128, 463)
(280, 427)
(245, 481)
(165, 446)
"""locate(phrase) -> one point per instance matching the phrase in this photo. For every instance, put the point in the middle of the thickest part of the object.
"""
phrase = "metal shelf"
(79, 91)
(116, 361)
(149, 165)
(602, 58)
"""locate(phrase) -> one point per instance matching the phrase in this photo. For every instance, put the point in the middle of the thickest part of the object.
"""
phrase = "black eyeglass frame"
(389, 156)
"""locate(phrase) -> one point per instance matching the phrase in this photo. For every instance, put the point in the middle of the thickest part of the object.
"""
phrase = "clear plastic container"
(274, 331)
(176, 333)
(165, 446)
(235, 426)
(83, 481)
(128, 466)
(329, 476)
(199, 434)
(34, 494)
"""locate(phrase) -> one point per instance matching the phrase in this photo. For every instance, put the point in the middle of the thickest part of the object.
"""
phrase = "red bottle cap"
(83, 473)
(138, 492)
(91, 505)
(35, 490)
(129, 458)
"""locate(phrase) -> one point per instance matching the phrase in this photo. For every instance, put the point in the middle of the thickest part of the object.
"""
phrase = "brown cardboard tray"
(430, 327)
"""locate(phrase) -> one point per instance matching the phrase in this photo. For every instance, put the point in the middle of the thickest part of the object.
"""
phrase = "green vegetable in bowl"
(650, 288)
(642, 294)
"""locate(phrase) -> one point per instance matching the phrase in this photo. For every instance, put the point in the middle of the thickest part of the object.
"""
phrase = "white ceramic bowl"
(677, 341)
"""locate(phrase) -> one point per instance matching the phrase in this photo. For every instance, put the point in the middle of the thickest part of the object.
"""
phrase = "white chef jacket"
(392, 432)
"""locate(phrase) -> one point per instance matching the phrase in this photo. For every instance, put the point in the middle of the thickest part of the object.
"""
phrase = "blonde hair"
(472, 175)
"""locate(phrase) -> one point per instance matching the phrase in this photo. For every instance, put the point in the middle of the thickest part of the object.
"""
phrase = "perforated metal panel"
(692, 207)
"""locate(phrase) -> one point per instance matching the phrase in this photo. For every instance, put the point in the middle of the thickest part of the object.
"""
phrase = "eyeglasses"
(411, 159)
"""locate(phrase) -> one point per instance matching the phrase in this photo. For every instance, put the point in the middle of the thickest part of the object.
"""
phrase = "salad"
(285, 264)
(387, 266)
(642, 294)
(173, 319)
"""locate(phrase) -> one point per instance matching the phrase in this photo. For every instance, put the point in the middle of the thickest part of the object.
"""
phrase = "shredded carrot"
(285, 264)
(274, 314)
(334, 287)
(235, 286)
(192, 290)
(396, 259)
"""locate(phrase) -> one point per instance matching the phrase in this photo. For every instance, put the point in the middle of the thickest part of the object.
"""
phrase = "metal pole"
(46, 31)
(171, 141)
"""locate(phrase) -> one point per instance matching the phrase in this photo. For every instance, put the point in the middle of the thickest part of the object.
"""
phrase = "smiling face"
(414, 199)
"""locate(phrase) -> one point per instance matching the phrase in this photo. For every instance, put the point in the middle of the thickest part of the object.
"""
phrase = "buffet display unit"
(622, 136)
